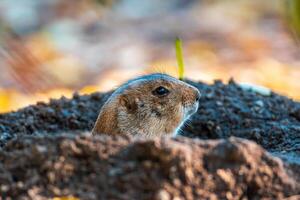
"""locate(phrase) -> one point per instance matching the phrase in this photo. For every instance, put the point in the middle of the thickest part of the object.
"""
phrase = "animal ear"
(128, 102)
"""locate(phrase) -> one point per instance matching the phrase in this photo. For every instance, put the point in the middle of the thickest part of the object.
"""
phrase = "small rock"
(163, 195)
(256, 88)
(259, 103)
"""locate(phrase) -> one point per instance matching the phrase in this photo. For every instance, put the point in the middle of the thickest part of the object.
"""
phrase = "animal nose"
(197, 96)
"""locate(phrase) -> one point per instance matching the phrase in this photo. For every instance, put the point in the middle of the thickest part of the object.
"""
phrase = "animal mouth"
(190, 109)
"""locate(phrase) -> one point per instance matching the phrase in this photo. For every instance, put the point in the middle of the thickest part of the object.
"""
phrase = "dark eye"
(160, 91)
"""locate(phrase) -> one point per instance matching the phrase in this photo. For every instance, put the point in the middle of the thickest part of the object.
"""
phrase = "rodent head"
(154, 105)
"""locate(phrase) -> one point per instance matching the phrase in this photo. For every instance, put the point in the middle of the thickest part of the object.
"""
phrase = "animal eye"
(160, 91)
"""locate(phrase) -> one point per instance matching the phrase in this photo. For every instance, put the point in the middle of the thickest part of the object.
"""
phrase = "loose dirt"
(43, 154)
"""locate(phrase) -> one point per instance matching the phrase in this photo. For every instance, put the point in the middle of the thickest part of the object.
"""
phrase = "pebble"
(163, 195)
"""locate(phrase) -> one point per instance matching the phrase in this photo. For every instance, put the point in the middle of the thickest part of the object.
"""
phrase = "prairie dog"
(148, 106)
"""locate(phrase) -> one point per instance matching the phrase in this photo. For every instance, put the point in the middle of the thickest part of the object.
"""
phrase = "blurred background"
(52, 48)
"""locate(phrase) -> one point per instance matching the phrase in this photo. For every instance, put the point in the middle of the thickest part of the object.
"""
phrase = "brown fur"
(132, 109)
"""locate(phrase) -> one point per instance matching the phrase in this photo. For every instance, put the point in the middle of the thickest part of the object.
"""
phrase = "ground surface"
(117, 168)
(55, 165)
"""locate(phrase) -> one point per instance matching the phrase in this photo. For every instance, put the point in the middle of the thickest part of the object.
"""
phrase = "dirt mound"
(43, 162)
(119, 168)
(78, 113)
(225, 110)
(272, 121)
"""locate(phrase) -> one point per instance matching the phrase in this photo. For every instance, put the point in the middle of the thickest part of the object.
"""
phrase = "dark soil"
(78, 113)
(119, 168)
(225, 110)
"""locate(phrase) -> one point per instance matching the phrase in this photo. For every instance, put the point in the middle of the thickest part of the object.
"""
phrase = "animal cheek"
(190, 96)
(175, 110)
(178, 114)
(187, 97)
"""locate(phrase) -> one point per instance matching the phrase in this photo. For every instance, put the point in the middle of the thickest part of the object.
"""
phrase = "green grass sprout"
(178, 47)
(293, 14)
